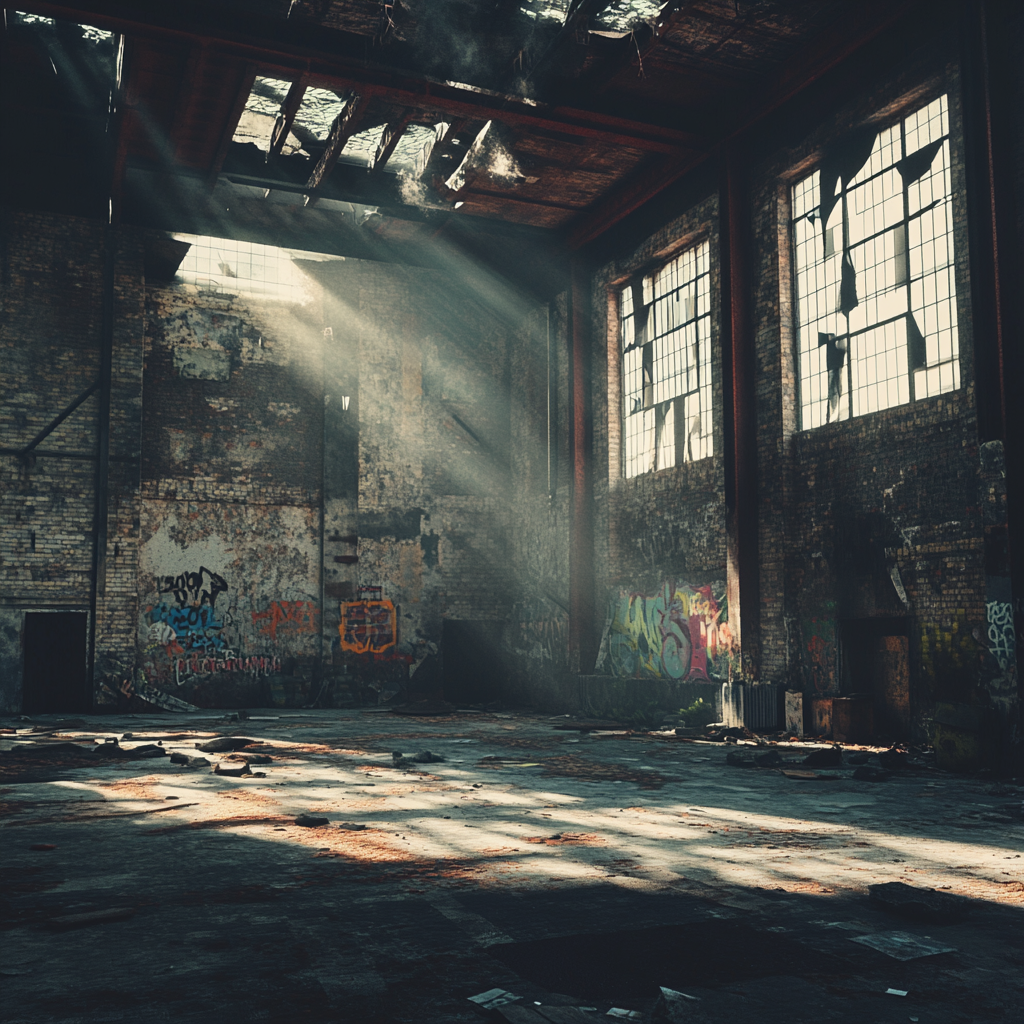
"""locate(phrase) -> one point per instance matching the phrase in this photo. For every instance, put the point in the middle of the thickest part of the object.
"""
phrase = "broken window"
(875, 290)
(665, 334)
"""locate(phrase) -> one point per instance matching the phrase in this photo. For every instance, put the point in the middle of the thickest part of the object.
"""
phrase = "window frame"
(671, 412)
(908, 351)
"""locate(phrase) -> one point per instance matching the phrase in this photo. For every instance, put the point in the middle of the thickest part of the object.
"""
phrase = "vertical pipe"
(582, 649)
(740, 419)
(102, 486)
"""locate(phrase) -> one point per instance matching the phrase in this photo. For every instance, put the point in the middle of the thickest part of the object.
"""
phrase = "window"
(665, 334)
(876, 298)
(224, 266)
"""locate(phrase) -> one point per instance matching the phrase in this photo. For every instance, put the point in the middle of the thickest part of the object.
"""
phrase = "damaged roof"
(551, 115)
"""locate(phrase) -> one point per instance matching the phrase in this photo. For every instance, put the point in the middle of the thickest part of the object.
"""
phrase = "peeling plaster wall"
(229, 601)
(229, 573)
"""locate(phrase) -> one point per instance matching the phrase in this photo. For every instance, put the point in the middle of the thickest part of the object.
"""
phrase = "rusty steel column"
(582, 646)
(740, 411)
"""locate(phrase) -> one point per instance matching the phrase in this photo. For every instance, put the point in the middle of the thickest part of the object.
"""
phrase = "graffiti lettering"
(680, 633)
(297, 615)
(195, 627)
(367, 627)
(226, 661)
(1002, 638)
(194, 588)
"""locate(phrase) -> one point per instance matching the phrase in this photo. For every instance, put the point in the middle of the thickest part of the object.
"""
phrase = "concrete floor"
(566, 868)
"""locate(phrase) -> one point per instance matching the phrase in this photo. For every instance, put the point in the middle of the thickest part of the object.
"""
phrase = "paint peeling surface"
(680, 633)
(209, 631)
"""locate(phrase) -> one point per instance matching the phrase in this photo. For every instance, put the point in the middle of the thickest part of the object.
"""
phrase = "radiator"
(755, 706)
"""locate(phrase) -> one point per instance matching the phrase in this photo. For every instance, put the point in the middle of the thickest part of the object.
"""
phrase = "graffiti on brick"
(225, 661)
(194, 588)
(190, 628)
(367, 627)
(296, 616)
(1002, 639)
(680, 633)
(819, 637)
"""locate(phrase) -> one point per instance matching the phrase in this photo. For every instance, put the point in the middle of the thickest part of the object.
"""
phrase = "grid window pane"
(666, 365)
(875, 292)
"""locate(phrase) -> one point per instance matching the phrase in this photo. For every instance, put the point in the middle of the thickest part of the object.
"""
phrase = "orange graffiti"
(299, 615)
(367, 626)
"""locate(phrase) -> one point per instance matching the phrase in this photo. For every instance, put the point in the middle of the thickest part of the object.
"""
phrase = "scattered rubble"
(919, 903)
(223, 744)
(311, 820)
(902, 945)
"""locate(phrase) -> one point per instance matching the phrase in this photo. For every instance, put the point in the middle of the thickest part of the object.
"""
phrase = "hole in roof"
(90, 33)
(257, 121)
(622, 16)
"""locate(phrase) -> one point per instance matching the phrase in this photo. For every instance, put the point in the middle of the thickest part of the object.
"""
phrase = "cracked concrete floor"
(559, 866)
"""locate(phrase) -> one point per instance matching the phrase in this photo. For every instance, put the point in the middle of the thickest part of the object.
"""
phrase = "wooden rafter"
(824, 52)
(342, 129)
(389, 139)
(246, 78)
(286, 117)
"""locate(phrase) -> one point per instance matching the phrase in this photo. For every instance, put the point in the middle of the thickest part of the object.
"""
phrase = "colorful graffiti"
(367, 627)
(679, 633)
(1002, 637)
(196, 627)
(298, 616)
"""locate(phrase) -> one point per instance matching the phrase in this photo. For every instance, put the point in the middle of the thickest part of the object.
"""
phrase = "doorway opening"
(875, 661)
(55, 678)
(470, 666)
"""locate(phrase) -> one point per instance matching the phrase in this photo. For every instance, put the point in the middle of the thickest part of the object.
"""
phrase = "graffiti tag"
(679, 633)
(299, 616)
(227, 661)
(1002, 638)
(367, 627)
(194, 588)
(193, 627)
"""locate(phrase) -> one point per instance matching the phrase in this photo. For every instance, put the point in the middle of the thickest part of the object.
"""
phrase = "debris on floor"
(918, 903)
(311, 820)
(902, 945)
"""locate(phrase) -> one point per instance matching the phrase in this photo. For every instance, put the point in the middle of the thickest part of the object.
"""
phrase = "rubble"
(189, 762)
(902, 945)
(223, 744)
(920, 904)
(311, 820)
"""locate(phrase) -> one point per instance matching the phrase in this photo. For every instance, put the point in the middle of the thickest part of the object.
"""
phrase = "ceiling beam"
(246, 78)
(389, 140)
(286, 117)
(292, 47)
(825, 52)
(342, 129)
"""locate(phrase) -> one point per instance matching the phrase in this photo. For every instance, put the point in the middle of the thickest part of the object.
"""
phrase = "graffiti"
(297, 615)
(225, 661)
(1002, 638)
(680, 633)
(819, 639)
(546, 639)
(367, 627)
(194, 588)
(195, 627)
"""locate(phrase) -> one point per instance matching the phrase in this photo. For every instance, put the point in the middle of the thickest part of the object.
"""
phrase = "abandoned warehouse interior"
(603, 359)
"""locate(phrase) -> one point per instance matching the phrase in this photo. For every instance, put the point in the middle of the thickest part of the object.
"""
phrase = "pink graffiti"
(300, 615)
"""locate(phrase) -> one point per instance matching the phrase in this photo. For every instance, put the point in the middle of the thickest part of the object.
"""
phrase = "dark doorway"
(55, 659)
(876, 661)
(470, 667)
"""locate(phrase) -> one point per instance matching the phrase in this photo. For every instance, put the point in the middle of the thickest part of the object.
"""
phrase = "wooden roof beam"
(342, 129)
(286, 117)
(389, 140)
(825, 52)
(338, 60)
